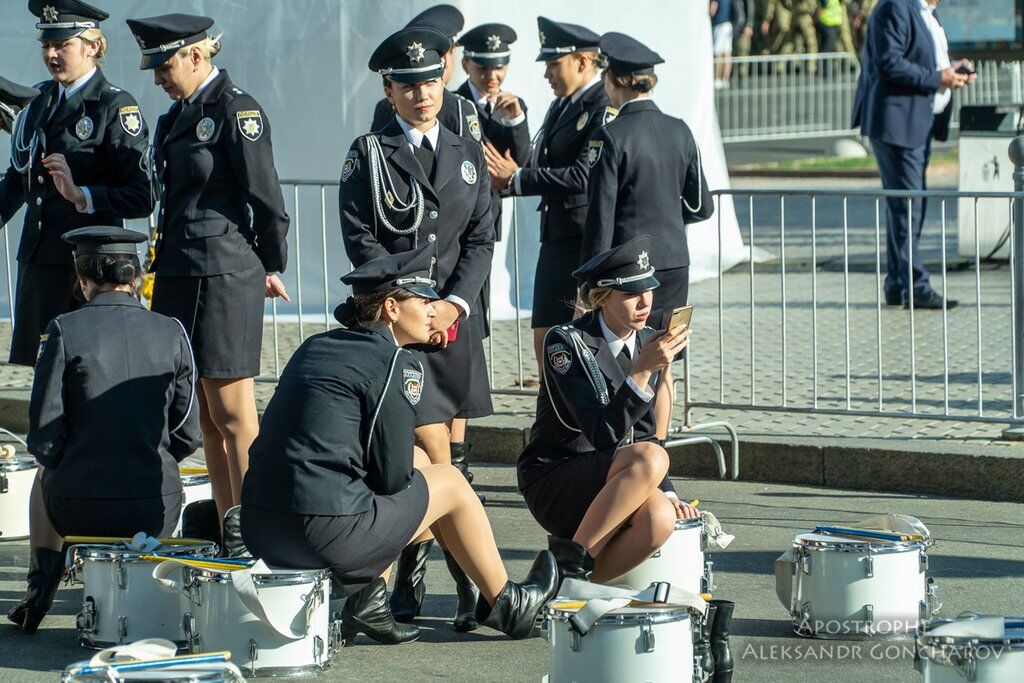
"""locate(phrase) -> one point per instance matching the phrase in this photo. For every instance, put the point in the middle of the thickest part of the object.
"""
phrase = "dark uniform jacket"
(575, 414)
(215, 161)
(101, 133)
(645, 178)
(339, 428)
(113, 406)
(558, 170)
(457, 114)
(456, 211)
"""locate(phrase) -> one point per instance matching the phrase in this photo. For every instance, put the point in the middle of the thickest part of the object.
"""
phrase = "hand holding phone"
(680, 317)
(965, 70)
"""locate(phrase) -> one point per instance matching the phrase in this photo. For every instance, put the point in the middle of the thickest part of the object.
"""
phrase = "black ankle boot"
(702, 645)
(233, 544)
(460, 461)
(366, 611)
(573, 560)
(200, 520)
(46, 568)
(468, 595)
(407, 598)
(720, 640)
(515, 610)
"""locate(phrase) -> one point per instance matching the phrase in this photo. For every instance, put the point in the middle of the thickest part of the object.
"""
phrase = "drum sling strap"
(603, 599)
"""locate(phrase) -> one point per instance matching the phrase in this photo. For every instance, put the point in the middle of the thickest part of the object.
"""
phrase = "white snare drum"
(679, 562)
(196, 486)
(218, 620)
(971, 647)
(206, 673)
(122, 603)
(16, 476)
(858, 588)
(628, 644)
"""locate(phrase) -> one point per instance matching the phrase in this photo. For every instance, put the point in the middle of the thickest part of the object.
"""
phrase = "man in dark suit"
(902, 101)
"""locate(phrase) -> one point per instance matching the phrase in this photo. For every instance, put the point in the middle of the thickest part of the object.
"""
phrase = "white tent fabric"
(305, 61)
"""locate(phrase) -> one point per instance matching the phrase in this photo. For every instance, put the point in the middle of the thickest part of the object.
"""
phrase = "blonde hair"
(208, 46)
(594, 298)
(94, 36)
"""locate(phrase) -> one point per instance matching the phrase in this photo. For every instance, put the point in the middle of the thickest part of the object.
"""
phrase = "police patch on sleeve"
(250, 124)
(594, 151)
(42, 344)
(559, 357)
(412, 385)
(474, 126)
(349, 167)
(131, 120)
(469, 172)
(609, 115)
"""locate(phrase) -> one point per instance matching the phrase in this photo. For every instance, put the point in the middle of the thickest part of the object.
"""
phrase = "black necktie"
(624, 360)
(425, 155)
(61, 101)
(562, 105)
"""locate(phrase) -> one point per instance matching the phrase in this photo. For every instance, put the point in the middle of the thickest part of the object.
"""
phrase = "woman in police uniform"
(414, 182)
(78, 158)
(334, 480)
(111, 413)
(646, 177)
(557, 171)
(592, 475)
(222, 229)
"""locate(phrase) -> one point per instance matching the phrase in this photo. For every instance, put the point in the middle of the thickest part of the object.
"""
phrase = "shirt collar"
(927, 7)
(214, 72)
(76, 85)
(478, 97)
(614, 343)
(635, 99)
(415, 137)
(579, 93)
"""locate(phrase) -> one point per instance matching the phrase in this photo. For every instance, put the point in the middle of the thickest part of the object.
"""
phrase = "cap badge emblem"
(493, 43)
(415, 53)
(643, 261)
(543, 39)
(50, 13)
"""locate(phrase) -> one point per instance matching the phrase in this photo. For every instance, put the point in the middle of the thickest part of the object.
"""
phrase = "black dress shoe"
(366, 611)
(410, 586)
(930, 301)
(468, 595)
(515, 610)
(893, 299)
(46, 568)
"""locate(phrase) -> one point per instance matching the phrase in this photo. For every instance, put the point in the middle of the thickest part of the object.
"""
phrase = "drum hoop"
(195, 479)
(685, 524)
(215, 675)
(659, 617)
(18, 466)
(945, 642)
(296, 579)
(873, 548)
(124, 555)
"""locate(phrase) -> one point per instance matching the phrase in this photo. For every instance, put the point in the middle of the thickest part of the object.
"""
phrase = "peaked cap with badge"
(408, 270)
(64, 19)
(559, 38)
(104, 239)
(412, 55)
(627, 55)
(161, 37)
(488, 44)
(444, 18)
(626, 267)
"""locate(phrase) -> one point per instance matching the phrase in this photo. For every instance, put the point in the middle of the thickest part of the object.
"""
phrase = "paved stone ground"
(977, 563)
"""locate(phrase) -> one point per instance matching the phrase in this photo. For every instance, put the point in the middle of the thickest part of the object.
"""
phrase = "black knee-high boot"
(407, 598)
(467, 594)
(574, 562)
(720, 640)
(702, 645)
(46, 568)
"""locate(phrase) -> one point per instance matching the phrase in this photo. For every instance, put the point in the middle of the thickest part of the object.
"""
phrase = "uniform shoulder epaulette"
(464, 99)
(114, 88)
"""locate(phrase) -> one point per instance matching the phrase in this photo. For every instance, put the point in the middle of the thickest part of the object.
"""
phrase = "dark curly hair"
(367, 308)
(642, 83)
(112, 269)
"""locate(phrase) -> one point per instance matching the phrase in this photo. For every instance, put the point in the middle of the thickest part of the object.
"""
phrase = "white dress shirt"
(214, 72)
(483, 102)
(943, 95)
(415, 139)
(615, 346)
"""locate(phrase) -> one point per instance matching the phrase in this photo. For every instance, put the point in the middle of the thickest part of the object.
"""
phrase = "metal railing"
(781, 97)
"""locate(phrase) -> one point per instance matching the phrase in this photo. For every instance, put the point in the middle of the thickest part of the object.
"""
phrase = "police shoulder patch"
(559, 357)
(609, 115)
(349, 167)
(412, 385)
(250, 124)
(42, 343)
(131, 120)
(474, 126)
(594, 148)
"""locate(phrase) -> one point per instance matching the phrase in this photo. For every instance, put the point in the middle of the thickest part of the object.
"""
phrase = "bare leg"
(649, 528)
(41, 533)
(433, 439)
(634, 475)
(457, 429)
(231, 407)
(538, 348)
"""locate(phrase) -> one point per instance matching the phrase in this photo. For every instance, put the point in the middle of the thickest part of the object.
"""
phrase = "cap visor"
(638, 285)
(423, 291)
(154, 60)
(59, 33)
(418, 77)
(491, 61)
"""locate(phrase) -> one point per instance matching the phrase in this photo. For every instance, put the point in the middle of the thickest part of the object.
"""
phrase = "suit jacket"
(645, 178)
(573, 418)
(339, 428)
(558, 170)
(898, 79)
(113, 406)
(222, 210)
(456, 208)
(457, 114)
(101, 133)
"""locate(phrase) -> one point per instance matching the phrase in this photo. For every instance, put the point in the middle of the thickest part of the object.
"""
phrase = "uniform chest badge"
(594, 148)
(474, 126)
(205, 128)
(559, 358)
(581, 122)
(250, 124)
(469, 172)
(349, 167)
(131, 120)
(412, 385)
(84, 128)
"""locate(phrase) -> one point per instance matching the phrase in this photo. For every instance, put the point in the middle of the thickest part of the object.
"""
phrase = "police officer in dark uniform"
(415, 182)
(111, 414)
(457, 113)
(558, 169)
(78, 158)
(335, 479)
(221, 234)
(13, 99)
(592, 474)
(646, 177)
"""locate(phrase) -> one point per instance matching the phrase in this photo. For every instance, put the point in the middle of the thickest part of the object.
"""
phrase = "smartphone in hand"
(965, 70)
(680, 316)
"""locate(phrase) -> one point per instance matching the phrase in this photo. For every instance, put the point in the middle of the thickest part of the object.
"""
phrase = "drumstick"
(198, 564)
(193, 470)
(111, 539)
(864, 533)
(205, 658)
(691, 501)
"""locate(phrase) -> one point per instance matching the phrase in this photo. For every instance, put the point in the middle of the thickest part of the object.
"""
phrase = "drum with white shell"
(971, 647)
(222, 672)
(17, 473)
(679, 562)
(195, 483)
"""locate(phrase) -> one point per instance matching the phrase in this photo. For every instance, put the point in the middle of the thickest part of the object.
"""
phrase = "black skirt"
(554, 287)
(357, 548)
(455, 382)
(43, 293)
(223, 316)
(123, 518)
(560, 498)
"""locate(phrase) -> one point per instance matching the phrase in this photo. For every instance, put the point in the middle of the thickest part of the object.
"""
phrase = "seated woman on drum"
(592, 475)
(111, 413)
(335, 481)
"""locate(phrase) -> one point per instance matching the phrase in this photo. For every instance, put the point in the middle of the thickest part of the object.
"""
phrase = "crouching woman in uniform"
(591, 474)
(111, 413)
(334, 479)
